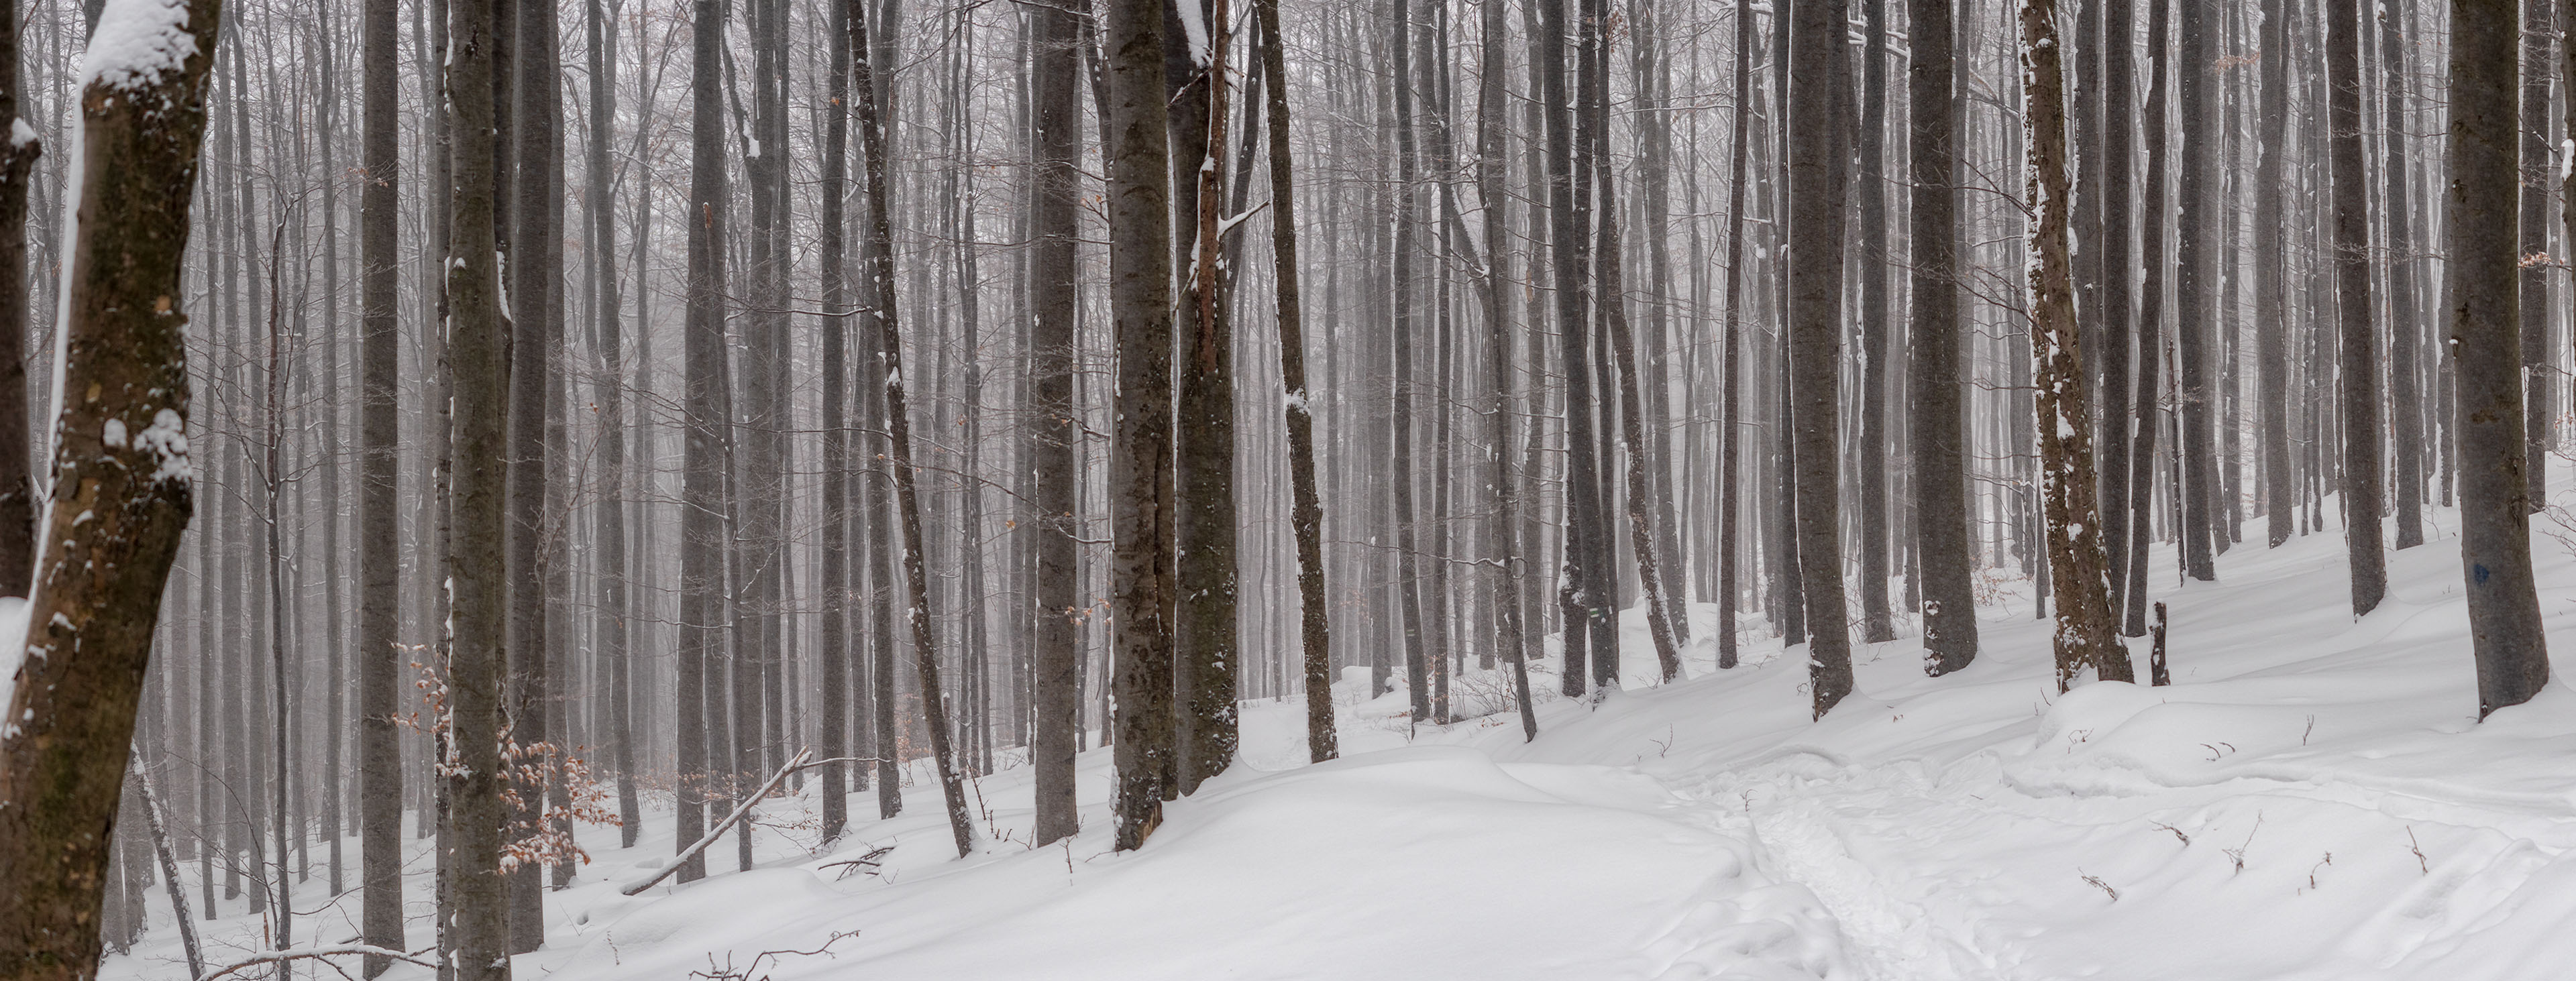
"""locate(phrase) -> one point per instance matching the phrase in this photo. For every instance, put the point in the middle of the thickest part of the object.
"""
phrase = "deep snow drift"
(2311, 798)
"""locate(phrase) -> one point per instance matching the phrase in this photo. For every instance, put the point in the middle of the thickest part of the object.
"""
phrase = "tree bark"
(123, 491)
(478, 357)
(2076, 563)
(702, 571)
(1306, 516)
(1140, 473)
(1944, 553)
(380, 661)
(18, 156)
(1056, 665)
(2486, 345)
(2358, 382)
(2539, 360)
(880, 269)
(1819, 176)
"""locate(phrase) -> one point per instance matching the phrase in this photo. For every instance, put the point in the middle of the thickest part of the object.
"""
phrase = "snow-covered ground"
(2311, 798)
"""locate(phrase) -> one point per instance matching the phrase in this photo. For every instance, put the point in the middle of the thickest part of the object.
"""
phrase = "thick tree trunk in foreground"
(2486, 342)
(1943, 551)
(123, 488)
(1140, 469)
(1819, 173)
(1306, 517)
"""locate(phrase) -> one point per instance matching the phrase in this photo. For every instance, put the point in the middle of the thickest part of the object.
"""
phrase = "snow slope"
(2312, 798)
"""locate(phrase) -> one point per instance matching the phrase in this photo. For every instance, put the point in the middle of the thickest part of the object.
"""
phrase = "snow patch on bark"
(137, 42)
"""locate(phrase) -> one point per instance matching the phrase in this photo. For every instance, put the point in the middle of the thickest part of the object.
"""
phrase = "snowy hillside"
(2310, 798)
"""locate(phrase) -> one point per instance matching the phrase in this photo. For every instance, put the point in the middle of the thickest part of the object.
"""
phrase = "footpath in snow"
(2311, 798)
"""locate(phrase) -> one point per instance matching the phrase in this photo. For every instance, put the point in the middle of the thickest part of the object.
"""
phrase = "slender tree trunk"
(2146, 400)
(880, 270)
(2271, 272)
(2358, 382)
(1870, 452)
(1730, 475)
(380, 662)
(1306, 516)
(1056, 666)
(476, 910)
(2539, 359)
(2196, 284)
(2486, 345)
(702, 571)
(18, 156)
(2076, 562)
(2405, 327)
(1819, 174)
(1940, 452)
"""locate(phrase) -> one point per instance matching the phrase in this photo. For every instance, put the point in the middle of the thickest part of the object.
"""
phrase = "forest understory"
(2311, 798)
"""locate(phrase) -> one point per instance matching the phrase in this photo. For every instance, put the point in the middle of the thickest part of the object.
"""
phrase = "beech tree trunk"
(124, 490)
(2358, 382)
(380, 662)
(2487, 351)
(1140, 471)
(2076, 561)
(1819, 174)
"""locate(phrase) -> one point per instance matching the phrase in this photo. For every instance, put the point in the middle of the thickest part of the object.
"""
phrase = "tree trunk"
(2539, 359)
(2486, 344)
(1870, 451)
(1940, 451)
(1056, 664)
(1306, 516)
(702, 540)
(880, 270)
(1203, 623)
(478, 356)
(2196, 277)
(1819, 176)
(121, 501)
(18, 156)
(1730, 470)
(380, 662)
(2359, 379)
(2076, 563)
(1140, 472)
(2146, 400)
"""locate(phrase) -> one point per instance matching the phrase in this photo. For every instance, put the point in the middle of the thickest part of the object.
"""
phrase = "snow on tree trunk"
(123, 482)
